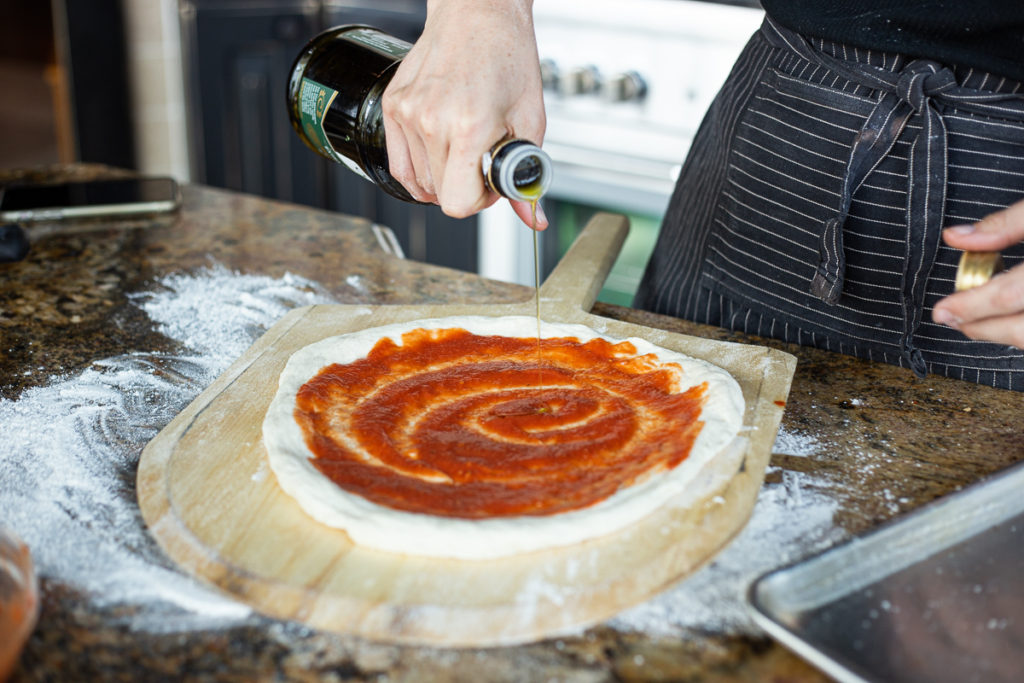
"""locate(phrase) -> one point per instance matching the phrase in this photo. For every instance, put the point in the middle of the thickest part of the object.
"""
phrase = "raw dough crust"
(382, 528)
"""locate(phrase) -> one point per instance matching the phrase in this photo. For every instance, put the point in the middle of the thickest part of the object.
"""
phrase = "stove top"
(627, 84)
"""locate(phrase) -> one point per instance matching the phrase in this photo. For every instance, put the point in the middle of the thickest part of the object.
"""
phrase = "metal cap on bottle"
(517, 169)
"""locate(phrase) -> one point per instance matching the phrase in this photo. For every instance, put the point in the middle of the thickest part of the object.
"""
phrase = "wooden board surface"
(210, 499)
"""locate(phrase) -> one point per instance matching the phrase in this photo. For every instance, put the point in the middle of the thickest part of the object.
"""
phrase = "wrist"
(523, 8)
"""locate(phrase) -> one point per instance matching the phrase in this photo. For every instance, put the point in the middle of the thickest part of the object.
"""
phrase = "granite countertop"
(868, 441)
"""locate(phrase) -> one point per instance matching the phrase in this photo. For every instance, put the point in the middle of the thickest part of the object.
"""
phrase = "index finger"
(462, 192)
(992, 233)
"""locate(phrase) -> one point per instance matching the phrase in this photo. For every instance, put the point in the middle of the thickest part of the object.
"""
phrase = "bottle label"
(314, 101)
(382, 42)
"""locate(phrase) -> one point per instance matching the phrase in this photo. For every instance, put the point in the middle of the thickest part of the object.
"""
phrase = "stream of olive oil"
(536, 265)
(536, 278)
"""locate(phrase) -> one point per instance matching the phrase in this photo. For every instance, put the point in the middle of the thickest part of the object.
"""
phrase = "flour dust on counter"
(792, 519)
(68, 490)
(795, 444)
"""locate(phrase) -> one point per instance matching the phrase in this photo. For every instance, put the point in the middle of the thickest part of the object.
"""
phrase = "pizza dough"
(445, 524)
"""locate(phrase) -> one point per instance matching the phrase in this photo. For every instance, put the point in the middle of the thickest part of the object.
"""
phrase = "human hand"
(993, 311)
(472, 78)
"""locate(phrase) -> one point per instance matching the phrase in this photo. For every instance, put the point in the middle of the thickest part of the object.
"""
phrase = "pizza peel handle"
(581, 273)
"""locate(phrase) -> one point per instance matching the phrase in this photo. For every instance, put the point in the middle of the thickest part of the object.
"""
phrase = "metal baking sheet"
(937, 595)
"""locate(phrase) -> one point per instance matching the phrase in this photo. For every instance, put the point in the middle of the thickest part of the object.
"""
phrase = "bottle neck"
(517, 169)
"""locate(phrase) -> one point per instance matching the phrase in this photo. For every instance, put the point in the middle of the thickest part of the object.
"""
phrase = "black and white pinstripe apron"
(811, 205)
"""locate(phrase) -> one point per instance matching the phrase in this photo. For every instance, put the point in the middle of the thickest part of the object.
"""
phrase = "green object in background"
(624, 278)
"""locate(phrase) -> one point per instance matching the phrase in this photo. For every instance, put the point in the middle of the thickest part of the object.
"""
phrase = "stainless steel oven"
(627, 83)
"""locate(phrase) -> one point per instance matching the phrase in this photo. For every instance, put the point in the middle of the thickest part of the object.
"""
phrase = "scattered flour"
(355, 282)
(70, 449)
(791, 443)
(791, 520)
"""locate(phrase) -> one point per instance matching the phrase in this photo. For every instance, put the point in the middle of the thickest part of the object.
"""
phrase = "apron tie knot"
(923, 79)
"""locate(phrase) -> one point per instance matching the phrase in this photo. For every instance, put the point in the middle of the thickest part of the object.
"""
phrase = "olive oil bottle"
(334, 101)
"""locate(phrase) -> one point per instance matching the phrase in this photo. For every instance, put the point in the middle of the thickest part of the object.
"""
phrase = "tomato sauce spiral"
(461, 425)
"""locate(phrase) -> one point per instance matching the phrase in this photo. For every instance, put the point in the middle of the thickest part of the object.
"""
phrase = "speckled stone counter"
(884, 443)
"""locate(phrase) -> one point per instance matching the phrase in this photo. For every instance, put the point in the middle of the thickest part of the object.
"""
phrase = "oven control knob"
(628, 86)
(580, 81)
(549, 76)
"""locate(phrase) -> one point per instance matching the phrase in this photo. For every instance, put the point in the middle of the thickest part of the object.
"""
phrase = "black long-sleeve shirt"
(985, 34)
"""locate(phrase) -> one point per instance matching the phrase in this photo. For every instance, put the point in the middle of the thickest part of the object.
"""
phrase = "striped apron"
(811, 205)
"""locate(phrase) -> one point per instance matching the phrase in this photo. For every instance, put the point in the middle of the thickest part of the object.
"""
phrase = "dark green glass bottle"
(334, 101)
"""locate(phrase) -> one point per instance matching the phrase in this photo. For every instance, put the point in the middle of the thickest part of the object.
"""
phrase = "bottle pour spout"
(517, 169)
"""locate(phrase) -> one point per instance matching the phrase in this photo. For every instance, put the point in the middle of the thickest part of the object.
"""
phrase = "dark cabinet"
(238, 55)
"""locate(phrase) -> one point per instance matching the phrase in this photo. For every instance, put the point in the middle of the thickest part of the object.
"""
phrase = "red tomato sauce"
(470, 426)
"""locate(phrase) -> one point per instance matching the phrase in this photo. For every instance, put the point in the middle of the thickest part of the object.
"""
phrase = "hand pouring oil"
(334, 102)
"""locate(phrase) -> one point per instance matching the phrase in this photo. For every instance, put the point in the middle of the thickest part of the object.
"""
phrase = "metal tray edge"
(763, 616)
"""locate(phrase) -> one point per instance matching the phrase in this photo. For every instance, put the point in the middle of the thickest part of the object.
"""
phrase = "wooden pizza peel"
(211, 501)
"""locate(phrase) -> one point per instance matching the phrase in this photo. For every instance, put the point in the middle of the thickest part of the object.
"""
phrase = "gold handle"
(976, 268)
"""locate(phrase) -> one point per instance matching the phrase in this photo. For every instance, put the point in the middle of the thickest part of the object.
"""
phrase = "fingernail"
(962, 229)
(944, 317)
(542, 218)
